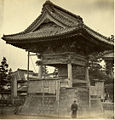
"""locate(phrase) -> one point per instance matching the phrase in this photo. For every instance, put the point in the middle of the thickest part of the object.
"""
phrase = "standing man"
(74, 108)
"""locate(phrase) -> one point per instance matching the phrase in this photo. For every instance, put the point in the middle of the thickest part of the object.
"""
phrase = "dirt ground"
(106, 115)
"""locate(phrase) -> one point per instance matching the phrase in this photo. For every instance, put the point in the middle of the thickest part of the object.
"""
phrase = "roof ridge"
(48, 10)
(44, 8)
(48, 2)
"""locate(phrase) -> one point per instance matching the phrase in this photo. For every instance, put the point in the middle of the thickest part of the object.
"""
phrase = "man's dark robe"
(74, 108)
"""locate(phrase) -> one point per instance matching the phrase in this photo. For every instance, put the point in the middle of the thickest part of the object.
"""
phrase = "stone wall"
(34, 104)
(7, 110)
(67, 96)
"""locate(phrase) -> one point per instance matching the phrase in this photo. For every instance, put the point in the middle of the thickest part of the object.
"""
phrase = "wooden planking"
(42, 86)
(78, 72)
(78, 62)
(63, 58)
(67, 54)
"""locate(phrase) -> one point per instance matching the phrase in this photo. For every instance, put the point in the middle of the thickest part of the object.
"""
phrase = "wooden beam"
(40, 71)
(62, 58)
(69, 66)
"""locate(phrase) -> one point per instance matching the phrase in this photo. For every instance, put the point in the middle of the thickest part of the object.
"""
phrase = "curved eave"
(14, 37)
(10, 39)
(98, 36)
(76, 31)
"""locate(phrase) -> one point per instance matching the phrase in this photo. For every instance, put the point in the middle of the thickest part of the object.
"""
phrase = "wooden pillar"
(40, 71)
(14, 88)
(28, 66)
(57, 90)
(57, 95)
(43, 93)
(88, 83)
(87, 76)
(39, 63)
(69, 66)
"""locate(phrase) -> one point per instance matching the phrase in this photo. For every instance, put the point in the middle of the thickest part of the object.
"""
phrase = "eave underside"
(60, 34)
(81, 42)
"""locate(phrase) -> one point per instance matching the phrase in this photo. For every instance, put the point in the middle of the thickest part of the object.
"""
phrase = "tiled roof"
(42, 33)
(54, 22)
(98, 35)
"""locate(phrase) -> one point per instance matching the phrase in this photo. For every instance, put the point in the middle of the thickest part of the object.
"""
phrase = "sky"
(17, 15)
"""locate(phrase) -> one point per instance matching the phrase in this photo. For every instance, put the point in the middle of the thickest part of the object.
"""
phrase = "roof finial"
(47, 2)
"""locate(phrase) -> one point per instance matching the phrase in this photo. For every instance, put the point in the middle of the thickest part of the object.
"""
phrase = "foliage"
(5, 74)
(96, 71)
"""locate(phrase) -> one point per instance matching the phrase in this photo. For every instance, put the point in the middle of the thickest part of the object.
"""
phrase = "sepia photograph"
(56, 59)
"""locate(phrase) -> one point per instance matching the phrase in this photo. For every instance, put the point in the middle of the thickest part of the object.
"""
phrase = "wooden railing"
(47, 85)
(43, 86)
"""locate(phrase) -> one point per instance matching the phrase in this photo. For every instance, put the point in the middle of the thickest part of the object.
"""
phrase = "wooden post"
(88, 83)
(40, 71)
(28, 66)
(57, 90)
(39, 65)
(70, 74)
(57, 95)
(14, 88)
(43, 92)
(28, 63)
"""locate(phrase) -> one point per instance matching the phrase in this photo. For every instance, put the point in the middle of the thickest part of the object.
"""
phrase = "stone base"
(34, 104)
